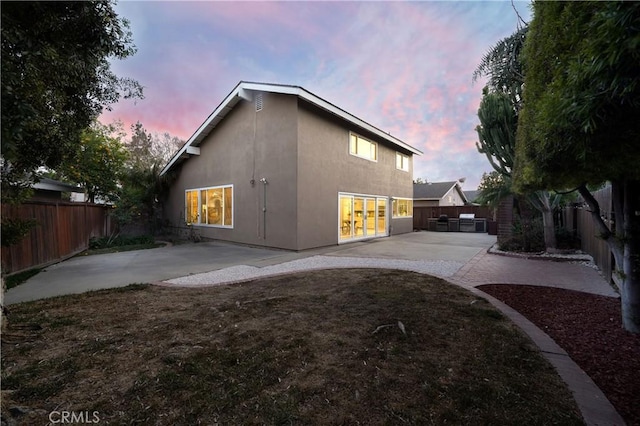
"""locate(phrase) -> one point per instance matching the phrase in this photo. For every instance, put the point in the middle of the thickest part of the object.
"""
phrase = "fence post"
(505, 219)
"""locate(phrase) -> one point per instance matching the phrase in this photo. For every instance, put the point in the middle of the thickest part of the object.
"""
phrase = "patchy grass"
(120, 243)
(16, 279)
(118, 249)
(322, 347)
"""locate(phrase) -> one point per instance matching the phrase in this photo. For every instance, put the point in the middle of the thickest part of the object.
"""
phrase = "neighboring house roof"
(471, 195)
(46, 184)
(435, 190)
(244, 91)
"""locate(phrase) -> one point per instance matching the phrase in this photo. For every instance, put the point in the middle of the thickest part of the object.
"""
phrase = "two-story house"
(277, 166)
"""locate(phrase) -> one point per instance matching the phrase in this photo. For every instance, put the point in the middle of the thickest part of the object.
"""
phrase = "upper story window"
(402, 162)
(363, 148)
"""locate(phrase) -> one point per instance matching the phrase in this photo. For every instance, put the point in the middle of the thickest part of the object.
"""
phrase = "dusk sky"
(404, 67)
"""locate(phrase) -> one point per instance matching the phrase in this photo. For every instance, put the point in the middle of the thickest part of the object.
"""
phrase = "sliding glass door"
(361, 216)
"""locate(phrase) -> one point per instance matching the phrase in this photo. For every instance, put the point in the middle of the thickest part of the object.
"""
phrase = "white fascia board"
(310, 97)
(461, 193)
(355, 120)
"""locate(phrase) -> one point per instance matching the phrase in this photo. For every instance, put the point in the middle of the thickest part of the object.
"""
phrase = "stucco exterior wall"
(303, 153)
(246, 145)
(326, 167)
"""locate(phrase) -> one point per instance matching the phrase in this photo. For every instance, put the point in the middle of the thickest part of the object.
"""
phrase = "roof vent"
(259, 102)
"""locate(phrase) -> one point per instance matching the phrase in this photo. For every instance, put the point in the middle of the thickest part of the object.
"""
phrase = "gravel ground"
(442, 269)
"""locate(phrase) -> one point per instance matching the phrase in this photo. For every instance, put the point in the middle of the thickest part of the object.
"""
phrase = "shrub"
(119, 241)
(528, 236)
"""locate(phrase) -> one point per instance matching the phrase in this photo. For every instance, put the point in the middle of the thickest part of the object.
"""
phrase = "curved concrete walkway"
(458, 257)
(487, 268)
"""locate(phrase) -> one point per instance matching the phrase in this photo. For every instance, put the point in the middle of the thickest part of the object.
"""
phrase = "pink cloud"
(404, 67)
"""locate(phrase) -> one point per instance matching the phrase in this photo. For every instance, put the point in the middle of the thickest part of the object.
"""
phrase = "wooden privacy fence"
(577, 218)
(421, 215)
(62, 230)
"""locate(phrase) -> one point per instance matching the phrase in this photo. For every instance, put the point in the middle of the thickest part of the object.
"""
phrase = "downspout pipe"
(264, 208)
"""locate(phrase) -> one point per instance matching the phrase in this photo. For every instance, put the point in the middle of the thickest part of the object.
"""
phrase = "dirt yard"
(324, 347)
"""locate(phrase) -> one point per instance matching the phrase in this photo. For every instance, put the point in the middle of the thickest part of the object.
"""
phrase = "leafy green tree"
(493, 188)
(140, 202)
(142, 188)
(579, 124)
(56, 79)
(98, 164)
(498, 113)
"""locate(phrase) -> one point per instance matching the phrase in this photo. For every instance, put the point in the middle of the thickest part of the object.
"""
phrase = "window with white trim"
(402, 207)
(402, 162)
(363, 148)
(212, 206)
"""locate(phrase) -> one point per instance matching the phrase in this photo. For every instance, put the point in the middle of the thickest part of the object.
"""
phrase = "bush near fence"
(62, 230)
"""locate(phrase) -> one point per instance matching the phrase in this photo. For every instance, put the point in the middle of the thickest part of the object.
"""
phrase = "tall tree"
(580, 122)
(98, 164)
(142, 188)
(501, 103)
(164, 146)
(503, 66)
(140, 147)
(56, 78)
(497, 130)
(147, 149)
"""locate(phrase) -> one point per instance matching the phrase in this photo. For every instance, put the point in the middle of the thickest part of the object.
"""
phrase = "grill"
(467, 222)
(443, 223)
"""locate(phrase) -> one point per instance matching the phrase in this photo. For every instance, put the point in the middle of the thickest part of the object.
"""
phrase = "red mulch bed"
(589, 328)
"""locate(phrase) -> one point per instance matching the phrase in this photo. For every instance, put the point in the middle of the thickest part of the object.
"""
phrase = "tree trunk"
(630, 292)
(3, 316)
(549, 231)
(624, 244)
(542, 202)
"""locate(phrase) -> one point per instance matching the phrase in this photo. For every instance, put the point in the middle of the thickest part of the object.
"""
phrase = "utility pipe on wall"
(264, 208)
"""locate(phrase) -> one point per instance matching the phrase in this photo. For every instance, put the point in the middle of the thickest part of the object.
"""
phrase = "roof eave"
(212, 120)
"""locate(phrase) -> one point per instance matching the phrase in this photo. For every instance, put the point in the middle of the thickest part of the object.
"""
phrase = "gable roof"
(435, 190)
(471, 195)
(244, 91)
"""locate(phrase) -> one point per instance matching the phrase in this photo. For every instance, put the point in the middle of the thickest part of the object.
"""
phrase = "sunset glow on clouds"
(404, 67)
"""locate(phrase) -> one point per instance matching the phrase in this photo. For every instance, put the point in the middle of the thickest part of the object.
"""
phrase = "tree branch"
(605, 232)
(518, 15)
